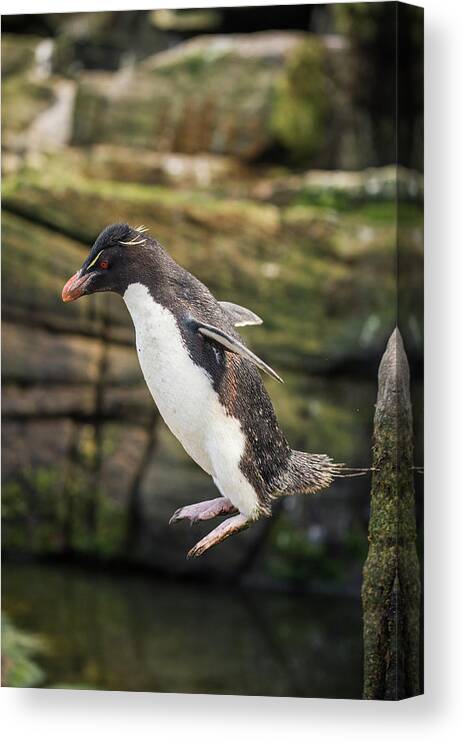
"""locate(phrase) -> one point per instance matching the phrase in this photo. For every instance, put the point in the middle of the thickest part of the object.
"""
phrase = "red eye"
(104, 264)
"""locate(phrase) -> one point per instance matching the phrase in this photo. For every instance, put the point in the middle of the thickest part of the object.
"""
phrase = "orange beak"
(74, 288)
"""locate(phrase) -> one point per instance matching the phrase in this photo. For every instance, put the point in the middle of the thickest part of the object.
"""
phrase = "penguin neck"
(156, 283)
(146, 307)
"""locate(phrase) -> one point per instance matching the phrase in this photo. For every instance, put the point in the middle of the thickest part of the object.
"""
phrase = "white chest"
(182, 390)
(186, 399)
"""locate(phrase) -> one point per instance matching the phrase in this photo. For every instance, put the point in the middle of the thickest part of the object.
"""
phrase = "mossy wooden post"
(391, 575)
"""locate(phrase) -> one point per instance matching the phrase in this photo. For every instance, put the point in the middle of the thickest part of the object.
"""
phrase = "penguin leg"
(204, 510)
(226, 529)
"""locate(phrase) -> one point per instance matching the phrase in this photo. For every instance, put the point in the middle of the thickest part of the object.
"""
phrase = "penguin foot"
(204, 510)
(226, 529)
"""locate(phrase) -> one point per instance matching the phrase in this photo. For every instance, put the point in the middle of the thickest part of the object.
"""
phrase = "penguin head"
(113, 262)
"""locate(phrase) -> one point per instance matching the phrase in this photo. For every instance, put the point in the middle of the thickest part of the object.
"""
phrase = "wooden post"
(391, 575)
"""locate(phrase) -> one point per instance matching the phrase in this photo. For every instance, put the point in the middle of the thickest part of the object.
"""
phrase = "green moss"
(192, 65)
(32, 510)
(22, 101)
(208, 101)
(197, 207)
(36, 261)
(18, 54)
(376, 211)
(299, 107)
(19, 650)
(391, 582)
(358, 20)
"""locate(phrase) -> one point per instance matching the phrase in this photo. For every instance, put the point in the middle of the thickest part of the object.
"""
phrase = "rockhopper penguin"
(204, 380)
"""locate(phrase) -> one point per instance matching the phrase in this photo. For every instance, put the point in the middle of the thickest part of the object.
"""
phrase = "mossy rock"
(147, 167)
(22, 101)
(32, 355)
(298, 271)
(211, 94)
(26, 90)
(237, 95)
(34, 445)
(18, 54)
(315, 112)
(36, 262)
(301, 104)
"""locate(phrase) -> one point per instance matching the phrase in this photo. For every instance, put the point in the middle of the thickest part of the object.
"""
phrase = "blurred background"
(258, 145)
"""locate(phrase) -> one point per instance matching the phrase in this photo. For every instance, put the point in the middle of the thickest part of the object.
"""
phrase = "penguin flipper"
(240, 316)
(235, 346)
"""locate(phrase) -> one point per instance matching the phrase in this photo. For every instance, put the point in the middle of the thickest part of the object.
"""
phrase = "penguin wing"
(240, 316)
(235, 346)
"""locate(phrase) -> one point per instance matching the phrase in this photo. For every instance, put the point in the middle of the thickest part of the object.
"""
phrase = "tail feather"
(310, 472)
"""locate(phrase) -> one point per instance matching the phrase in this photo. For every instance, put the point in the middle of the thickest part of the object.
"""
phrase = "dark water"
(138, 633)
